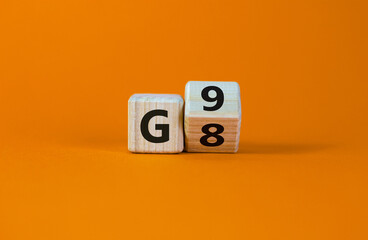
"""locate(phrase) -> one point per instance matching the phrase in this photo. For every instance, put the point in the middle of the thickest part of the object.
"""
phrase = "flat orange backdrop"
(67, 69)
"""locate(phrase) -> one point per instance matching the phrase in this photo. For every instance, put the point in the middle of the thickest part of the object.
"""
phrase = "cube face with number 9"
(212, 116)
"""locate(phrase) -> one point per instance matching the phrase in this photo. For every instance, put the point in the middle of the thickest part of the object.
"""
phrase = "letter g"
(163, 127)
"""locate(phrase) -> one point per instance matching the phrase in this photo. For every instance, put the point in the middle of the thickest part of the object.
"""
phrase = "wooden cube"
(212, 116)
(155, 123)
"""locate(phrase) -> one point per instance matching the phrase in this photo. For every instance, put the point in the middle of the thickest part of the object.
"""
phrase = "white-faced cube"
(212, 116)
(155, 123)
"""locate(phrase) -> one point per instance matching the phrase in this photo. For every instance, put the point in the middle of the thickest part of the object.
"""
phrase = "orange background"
(67, 69)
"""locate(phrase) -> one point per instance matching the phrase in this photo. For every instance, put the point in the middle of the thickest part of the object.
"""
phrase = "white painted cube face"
(155, 123)
(212, 116)
(223, 99)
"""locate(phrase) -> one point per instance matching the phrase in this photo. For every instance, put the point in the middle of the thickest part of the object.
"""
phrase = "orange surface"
(67, 69)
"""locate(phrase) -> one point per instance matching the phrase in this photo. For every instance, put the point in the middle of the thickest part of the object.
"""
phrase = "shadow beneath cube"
(282, 148)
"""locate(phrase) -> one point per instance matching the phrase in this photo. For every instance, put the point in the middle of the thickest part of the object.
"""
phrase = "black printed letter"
(163, 127)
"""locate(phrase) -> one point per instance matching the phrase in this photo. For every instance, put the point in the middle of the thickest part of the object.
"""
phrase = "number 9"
(219, 98)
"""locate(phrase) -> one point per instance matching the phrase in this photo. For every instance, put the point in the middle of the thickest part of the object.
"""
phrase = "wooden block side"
(208, 102)
(194, 102)
(138, 107)
(193, 133)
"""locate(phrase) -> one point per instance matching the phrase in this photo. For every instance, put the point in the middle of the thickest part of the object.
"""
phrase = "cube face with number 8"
(212, 116)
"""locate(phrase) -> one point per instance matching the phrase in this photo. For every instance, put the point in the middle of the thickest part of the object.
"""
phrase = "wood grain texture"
(138, 106)
(228, 116)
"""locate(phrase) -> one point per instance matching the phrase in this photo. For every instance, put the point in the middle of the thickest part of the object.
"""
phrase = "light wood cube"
(212, 116)
(155, 123)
